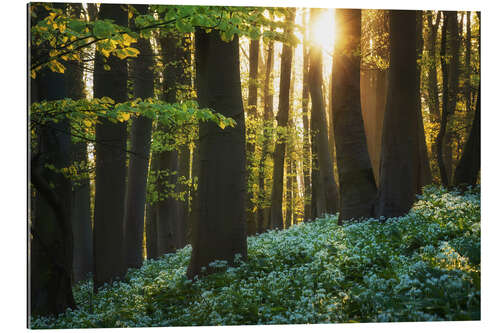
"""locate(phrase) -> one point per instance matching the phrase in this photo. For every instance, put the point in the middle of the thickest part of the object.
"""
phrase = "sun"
(323, 30)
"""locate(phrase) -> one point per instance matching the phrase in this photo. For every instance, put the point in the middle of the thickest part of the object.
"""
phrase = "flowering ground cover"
(419, 267)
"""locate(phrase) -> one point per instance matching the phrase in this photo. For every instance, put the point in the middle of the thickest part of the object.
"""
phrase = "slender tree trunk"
(424, 174)
(80, 209)
(195, 177)
(251, 132)
(151, 213)
(170, 226)
(263, 210)
(135, 198)
(467, 81)
(183, 167)
(444, 114)
(219, 233)
(168, 229)
(306, 138)
(320, 130)
(453, 45)
(398, 169)
(282, 118)
(111, 139)
(358, 190)
(470, 163)
(288, 194)
(432, 95)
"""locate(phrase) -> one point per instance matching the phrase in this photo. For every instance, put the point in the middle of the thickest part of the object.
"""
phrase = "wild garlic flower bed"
(423, 266)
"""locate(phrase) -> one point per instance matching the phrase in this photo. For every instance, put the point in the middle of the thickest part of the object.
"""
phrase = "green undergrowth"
(420, 267)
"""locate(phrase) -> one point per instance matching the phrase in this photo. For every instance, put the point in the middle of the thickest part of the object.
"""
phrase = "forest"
(225, 165)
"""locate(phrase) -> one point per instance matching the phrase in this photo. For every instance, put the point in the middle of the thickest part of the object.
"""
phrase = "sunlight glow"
(323, 30)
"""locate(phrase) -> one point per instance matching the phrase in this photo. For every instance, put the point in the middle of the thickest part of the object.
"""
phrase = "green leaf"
(103, 29)
(77, 26)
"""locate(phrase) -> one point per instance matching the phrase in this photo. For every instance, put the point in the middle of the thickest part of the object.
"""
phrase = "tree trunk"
(183, 167)
(168, 229)
(81, 220)
(358, 190)
(110, 174)
(320, 130)
(432, 95)
(444, 114)
(151, 214)
(470, 163)
(135, 198)
(282, 118)
(453, 46)
(398, 169)
(171, 232)
(251, 132)
(263, 210)
(306, 138)
(80, 209)
(51, 235)
(424, 168)
(219, 232)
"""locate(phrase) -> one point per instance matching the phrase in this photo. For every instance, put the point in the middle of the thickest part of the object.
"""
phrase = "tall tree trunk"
(219, 233)
(424, 168)
(282, 118)
(110, 174)
(135, 198)
(431, 82)
(51, 241)
(183, 167)
(288, 193)
(80, 209)
(168, 229)
(467, 80)
(398, 169)
(453, 45)
(251, 132)
(151, 214)
(263, 210)
(306, 138)
(170, 232)
(195, 177)
(320, 130)
(470, 162)
(358, 190)
(444, 114)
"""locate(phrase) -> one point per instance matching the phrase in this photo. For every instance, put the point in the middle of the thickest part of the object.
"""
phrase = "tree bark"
(151, 214)
(306, 137)
(470, 162)
(453, 46)
(251, 132)
(282, 118)
(424, 174)
(219, 232)
(320, 131)
(263, 209)
(51, 240)
(135, 198)
(398, 169)
(358, 190)
(445, 109)
(110, 171)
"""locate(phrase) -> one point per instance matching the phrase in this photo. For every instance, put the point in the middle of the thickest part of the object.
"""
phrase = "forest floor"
(420, 267)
